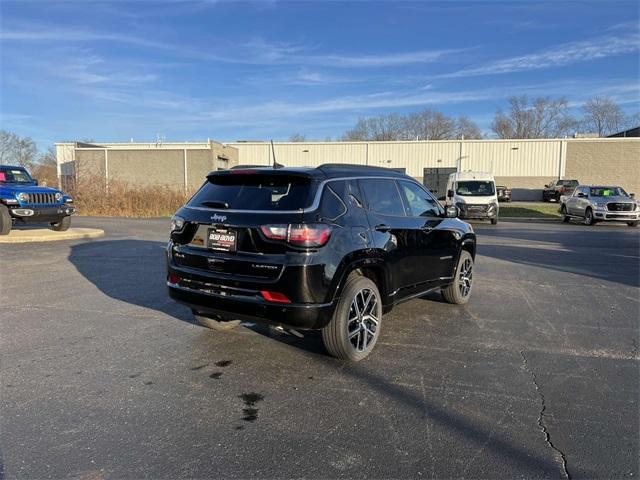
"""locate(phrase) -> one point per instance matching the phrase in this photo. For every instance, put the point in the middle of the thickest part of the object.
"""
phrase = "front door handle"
(383, 228)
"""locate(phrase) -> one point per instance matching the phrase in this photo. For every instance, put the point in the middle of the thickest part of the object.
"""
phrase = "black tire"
(588, 218)
(632, 224)
(362, 327)
(63, 225)
(494, 221)
(459, 291)
(215, 322)
(5, 220)
(563, 212)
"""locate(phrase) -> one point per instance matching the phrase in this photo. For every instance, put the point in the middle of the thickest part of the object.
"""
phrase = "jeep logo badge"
(219, 218)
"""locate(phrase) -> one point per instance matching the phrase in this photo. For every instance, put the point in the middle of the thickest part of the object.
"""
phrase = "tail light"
(299, 234)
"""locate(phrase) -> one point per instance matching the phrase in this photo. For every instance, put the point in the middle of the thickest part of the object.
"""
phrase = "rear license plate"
(222, 239)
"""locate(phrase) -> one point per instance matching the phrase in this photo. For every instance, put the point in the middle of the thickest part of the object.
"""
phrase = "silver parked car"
(600, 204)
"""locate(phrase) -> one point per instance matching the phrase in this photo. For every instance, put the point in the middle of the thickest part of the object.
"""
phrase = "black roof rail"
(344, 167)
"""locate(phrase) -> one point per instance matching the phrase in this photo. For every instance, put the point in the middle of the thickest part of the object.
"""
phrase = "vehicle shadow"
(131, 271)
(588, 252)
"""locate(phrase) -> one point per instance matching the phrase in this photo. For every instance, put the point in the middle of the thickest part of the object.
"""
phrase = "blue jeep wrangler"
(22, 200)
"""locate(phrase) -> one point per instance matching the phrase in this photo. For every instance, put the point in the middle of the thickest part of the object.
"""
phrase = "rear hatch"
(224, 232)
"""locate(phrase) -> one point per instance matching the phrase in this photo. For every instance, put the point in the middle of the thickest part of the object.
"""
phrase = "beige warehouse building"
(523, 165)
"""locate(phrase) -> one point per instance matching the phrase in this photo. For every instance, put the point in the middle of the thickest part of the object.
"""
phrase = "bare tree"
(16, 150)
(7, 146)
(603, 116)
(466, 128)
(542, 117)
(424, 125)
(429, 125)
(298, 137)
(45, 170)
(380, 128)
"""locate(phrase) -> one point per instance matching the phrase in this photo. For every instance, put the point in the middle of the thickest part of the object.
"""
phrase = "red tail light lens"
(299, 234)
(275, 297)
(174, 279)
(309, 234)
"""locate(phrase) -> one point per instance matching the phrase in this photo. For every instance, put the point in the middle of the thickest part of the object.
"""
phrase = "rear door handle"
(383, 228)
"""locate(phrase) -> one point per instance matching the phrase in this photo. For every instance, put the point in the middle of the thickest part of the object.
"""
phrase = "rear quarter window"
(331, 206)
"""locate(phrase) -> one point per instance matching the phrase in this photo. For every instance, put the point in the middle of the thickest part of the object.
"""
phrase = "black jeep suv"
(330, 248)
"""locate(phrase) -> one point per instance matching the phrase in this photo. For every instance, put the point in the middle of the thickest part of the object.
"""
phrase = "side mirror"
(450, 193)
(632, 195)
(580, 194)
(451, 212)
(35, 181)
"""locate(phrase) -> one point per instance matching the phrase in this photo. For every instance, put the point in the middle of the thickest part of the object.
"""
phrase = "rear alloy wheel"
(588, 218)
(5, 220)
(563, 212)
(63, 225)
(355, 327)
(215, 322)
(459, 291)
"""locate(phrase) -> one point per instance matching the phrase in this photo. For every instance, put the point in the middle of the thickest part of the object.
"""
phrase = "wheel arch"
(372, 268)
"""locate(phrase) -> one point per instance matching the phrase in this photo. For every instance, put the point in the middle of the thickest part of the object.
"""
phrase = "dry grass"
(92, 197)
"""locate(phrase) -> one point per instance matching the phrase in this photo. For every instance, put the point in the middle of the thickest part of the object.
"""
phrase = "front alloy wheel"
(588, 218)
(355, 326)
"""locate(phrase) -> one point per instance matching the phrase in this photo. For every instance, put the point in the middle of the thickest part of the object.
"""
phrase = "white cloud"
(565, 54)
(256, 51)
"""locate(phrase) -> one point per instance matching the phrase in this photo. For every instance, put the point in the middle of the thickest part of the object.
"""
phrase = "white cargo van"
(474, 193)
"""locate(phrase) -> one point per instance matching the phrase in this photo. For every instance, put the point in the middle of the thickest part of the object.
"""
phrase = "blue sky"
(226, 70)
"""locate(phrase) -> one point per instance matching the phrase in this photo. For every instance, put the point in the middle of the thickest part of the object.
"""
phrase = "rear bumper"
(248, 305)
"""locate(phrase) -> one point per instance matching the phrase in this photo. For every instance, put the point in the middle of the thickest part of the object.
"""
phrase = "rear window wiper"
(215, 204)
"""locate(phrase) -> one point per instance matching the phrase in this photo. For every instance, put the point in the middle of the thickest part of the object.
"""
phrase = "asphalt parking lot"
(102, 376)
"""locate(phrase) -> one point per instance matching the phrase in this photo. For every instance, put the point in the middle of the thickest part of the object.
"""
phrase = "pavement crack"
(541, 424)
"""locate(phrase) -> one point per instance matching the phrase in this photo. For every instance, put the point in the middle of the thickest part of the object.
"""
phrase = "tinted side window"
(418, 202)
(382, 196)
(331, 206)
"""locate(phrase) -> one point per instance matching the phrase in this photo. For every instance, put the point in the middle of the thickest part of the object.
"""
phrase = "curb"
(46, 235)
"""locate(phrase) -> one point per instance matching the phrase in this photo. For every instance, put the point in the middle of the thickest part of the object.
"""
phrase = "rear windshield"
(475, 188)
(607, 192)
(255, 191)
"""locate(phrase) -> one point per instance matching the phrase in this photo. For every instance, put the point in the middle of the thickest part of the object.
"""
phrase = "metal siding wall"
(413, 156)
(312, 155)
(253, 154)
(513, 159)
